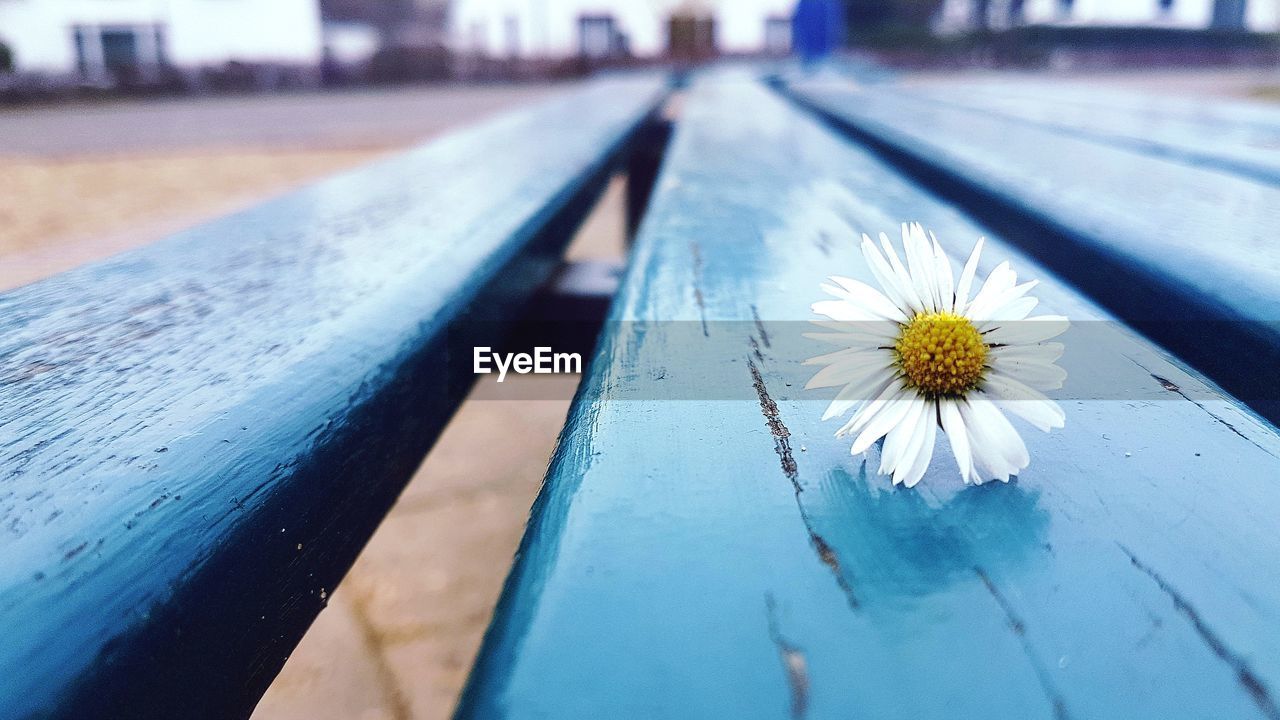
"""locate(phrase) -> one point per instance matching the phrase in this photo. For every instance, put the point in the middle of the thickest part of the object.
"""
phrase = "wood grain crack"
(696, 252)
(1245, 675)
(1019, 628)
(782, 446)
(1172, 387)
(793, 662)
(764, 334)
(781, 435)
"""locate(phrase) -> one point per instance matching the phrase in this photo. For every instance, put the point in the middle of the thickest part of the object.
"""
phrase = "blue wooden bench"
(703, 547)
(1224, 135)
(197, 438)
(1183, 252)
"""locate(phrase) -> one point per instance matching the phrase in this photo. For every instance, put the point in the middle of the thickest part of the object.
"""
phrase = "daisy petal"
(849, 341)
(904, 277)
(1039, 375)
(897, 439)
(1027, 331)
(924, 455)
(920, 264)
(866, 297)
(1001, 280)
(854, 393)
(1044, 416)
(882, 423)
(1009, 312)
(884, 275)
(844, 373)
(995, 302)
(852, 355)
(906, 455)
(873, 329)
(1048, 352)
(953, 425)
(894, 391)
(998, 445)
(966, 278)
(1027, 403)
(944, 275)
(842, 310)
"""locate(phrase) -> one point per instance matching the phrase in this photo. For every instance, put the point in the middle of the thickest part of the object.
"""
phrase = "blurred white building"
(1255, 15)
(99, 38)
(561, 28)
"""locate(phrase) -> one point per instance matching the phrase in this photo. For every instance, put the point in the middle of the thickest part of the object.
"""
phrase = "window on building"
(777, 34)
(691, 36)
(1017, 12)
(982, 14)
(1228, 14)
(1065, 7)
(161, 45)
(81, 40)
(123, 52)
(597, 36)
(119, 49)
(511, 27)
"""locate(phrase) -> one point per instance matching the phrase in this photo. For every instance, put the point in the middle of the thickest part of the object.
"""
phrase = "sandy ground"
(48, 205)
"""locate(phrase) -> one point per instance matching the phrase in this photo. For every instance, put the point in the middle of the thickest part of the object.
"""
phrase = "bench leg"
(642, 169)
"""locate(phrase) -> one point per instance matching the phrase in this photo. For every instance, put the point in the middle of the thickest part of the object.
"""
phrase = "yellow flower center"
(941, 354)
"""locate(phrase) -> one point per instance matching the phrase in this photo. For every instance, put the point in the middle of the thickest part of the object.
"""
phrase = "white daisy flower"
(925, 354)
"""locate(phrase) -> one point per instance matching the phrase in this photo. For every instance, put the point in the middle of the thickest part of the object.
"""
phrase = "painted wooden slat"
(1228, 136)
(197, 438)
(1182, 252)
(716, 553)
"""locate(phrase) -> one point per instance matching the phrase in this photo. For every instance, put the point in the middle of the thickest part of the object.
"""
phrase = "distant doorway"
(119, 53)
(598, 37)
(1228, 14)
(119, 50)
(777, 35)
(691, 36)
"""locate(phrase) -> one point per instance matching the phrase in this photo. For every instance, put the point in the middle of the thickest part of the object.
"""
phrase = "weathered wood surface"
(198, 437)
(1184, 253)
(1217, 133)
(727, 558)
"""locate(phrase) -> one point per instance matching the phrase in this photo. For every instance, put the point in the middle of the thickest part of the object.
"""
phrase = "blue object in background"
(816, 28)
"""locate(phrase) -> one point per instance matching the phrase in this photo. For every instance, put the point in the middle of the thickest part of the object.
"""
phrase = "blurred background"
(82, 48)
(122, 121)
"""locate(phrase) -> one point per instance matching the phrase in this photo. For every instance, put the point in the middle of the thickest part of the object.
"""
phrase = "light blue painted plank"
(697, 553)
(1216, 133)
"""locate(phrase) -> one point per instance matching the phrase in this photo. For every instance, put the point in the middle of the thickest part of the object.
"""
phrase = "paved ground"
(370, 119)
